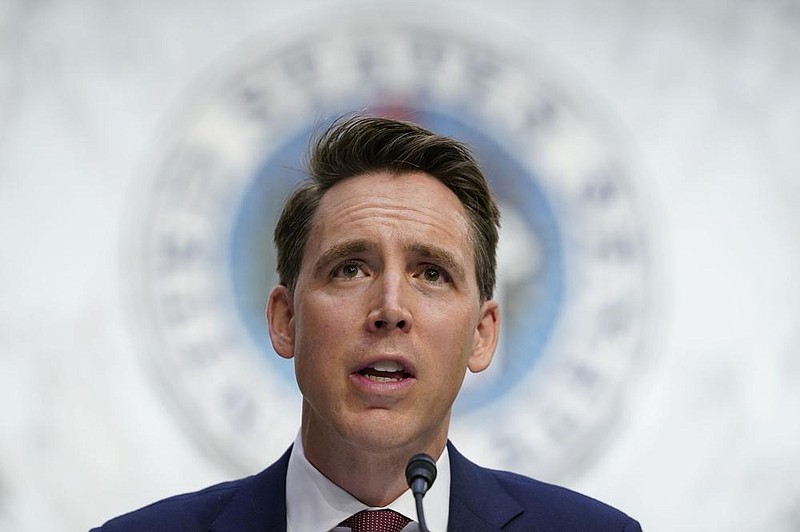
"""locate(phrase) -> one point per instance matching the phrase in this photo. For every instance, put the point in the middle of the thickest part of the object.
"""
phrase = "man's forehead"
(376, 179)
(404, 191)
(418, 207)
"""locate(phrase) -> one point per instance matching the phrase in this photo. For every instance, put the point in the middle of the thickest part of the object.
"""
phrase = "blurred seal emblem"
(574, 281)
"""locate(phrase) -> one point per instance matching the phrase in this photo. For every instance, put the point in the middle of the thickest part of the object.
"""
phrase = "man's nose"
(390, 307)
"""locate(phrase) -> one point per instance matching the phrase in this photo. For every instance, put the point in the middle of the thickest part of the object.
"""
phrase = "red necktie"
(376, 521)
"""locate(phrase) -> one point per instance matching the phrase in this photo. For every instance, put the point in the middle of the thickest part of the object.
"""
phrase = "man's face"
(386, 315)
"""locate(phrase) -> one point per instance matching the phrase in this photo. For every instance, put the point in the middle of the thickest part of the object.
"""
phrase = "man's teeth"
(384, 371)
(381, 379)
(388, 366)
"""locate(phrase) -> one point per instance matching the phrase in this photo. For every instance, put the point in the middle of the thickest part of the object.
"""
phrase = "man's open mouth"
(385, 371)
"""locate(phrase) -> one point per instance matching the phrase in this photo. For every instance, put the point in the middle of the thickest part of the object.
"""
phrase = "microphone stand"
(420, 513)
(420, 474)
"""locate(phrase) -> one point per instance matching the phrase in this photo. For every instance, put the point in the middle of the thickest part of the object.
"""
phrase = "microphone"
(420, 474)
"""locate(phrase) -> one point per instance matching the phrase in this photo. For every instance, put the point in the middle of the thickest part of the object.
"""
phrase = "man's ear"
(280, 319)
(486, 333)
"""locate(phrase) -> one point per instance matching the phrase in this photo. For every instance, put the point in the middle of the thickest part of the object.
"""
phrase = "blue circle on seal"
(530, 308)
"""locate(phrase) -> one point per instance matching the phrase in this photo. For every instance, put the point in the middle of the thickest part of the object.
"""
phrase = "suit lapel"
(477, 501)
(260, 504)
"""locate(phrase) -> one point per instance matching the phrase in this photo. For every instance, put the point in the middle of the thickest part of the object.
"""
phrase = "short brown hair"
(358, 145)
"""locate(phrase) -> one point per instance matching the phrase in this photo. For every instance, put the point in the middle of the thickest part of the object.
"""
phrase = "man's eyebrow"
(340, 251)
(441, 257)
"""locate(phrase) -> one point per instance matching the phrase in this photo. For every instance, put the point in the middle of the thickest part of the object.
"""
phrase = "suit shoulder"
(179, 513)
(557, 504)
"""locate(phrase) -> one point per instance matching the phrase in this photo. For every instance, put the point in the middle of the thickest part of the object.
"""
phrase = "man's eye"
(348, 271)
(432, 274)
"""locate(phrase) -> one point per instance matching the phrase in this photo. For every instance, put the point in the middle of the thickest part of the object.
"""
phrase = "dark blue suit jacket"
(480, 500)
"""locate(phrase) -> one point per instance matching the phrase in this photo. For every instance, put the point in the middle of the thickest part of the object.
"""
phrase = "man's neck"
(375, 477)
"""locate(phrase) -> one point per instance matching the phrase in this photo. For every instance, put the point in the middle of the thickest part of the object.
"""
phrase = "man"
(386, 257)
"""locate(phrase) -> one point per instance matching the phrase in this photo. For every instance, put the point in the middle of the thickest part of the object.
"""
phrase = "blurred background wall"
(113, 114)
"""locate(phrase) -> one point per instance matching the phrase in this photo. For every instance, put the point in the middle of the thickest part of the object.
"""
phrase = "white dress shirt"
(315, 504)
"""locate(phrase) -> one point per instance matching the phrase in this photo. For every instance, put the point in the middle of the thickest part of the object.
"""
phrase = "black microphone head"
(421, 467)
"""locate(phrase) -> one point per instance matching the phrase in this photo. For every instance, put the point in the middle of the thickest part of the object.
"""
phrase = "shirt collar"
(315, 503)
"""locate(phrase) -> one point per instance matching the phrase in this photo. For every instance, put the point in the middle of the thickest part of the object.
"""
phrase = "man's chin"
(392, 438)
(376, 440)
